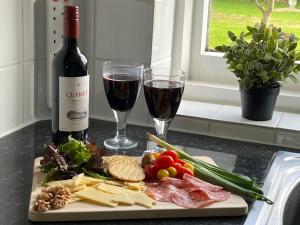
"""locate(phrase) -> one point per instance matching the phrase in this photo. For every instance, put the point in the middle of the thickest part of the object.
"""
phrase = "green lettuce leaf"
(77, 149)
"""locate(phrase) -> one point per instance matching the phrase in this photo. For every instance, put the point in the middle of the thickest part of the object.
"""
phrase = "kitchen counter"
(19, 149)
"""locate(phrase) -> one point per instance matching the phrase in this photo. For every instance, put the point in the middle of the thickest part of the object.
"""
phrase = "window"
(234, 15)
(209, 80)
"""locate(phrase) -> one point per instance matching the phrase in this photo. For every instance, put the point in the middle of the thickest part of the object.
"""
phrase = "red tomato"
(150, 171)
(171, 153)
(180, 161)
(163, 161)
(182, 171)
(177, 166)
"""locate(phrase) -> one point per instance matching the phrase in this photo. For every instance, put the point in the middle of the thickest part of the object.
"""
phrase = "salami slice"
(190, 192)
(200, 183)
(202, 194)
(162, 193)
(182, 199)
(176, 182)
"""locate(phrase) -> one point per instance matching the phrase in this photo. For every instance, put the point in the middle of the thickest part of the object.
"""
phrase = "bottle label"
(73, 103)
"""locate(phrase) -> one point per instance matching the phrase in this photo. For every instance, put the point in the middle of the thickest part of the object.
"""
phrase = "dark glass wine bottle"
(70, 84)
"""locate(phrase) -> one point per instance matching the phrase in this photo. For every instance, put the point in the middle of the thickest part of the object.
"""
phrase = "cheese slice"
(97, 196)
(141, 198)
(92, 180)
(123, 198)
(66, 183)
(115, 182)
(77, 188)
(77, 179)
(111, 188)
(135, 186)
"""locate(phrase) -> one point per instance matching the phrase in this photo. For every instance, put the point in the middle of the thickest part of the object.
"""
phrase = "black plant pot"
(258, 103)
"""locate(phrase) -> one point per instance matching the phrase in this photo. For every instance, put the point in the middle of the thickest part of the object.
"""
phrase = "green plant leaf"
(292, 38)
(271, 44)
(239, 67)
(231, 35)
(293, 46)
(219, 48)
(77, 149)
(276, 75)
(264, 58)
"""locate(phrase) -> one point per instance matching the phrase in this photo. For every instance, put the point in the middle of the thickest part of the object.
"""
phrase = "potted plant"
(262, 59)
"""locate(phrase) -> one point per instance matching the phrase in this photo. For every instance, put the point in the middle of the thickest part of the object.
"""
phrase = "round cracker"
(126, 169)
(112, 158)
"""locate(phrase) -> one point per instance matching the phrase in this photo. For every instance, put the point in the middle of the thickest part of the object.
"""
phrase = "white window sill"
(227, 121)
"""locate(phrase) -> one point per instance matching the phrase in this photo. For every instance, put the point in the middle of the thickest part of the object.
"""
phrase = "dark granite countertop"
(19, 149)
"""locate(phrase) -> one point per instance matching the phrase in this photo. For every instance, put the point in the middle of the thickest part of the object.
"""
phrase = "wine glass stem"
(121, 119)
(161, 127)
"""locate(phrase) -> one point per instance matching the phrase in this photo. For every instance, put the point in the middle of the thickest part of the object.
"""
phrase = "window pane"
(235, 15)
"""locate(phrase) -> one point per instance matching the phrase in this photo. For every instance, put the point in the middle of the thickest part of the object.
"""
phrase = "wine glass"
(163, 90)
(121, 80)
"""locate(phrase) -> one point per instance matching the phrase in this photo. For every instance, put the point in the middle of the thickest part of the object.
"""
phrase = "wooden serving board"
(234, 206)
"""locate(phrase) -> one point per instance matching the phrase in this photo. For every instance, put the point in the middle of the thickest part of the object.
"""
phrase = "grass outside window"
(235, 15)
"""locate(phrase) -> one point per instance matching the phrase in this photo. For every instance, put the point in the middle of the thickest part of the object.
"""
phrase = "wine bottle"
(70, 84)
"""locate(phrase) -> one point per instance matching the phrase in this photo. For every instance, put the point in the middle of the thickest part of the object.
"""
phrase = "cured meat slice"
(200, 183)
(176, 182)
(162, 192)
(202, 194)
(182, 199)
(190, 192)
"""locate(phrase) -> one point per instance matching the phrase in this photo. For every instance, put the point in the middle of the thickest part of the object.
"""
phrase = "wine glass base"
(120, 143)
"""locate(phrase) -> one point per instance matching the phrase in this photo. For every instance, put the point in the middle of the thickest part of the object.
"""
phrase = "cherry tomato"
(156, 154)
(163, 162)
(171, 153)
(150, 171)
(177, 166)
(182, 171)
(149, 158)
(189, 166)
(180, 161)
(162, 173)
(172, 171)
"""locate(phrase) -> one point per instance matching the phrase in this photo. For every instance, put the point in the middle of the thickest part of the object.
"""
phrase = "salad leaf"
(78, 150)
(96, 175)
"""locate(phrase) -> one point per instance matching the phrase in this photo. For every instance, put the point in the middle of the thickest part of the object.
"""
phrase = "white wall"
(120, 30)
(17, 64)
(110, 29)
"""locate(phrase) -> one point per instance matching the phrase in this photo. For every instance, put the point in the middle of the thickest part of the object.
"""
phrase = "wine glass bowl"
(121, 80)
(163, 89)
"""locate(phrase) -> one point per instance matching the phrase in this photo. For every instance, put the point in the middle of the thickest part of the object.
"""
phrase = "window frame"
(208, 77)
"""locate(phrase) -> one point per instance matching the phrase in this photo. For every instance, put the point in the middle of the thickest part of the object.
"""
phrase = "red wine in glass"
(163, 98)
(121, 81)
(121, 91)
